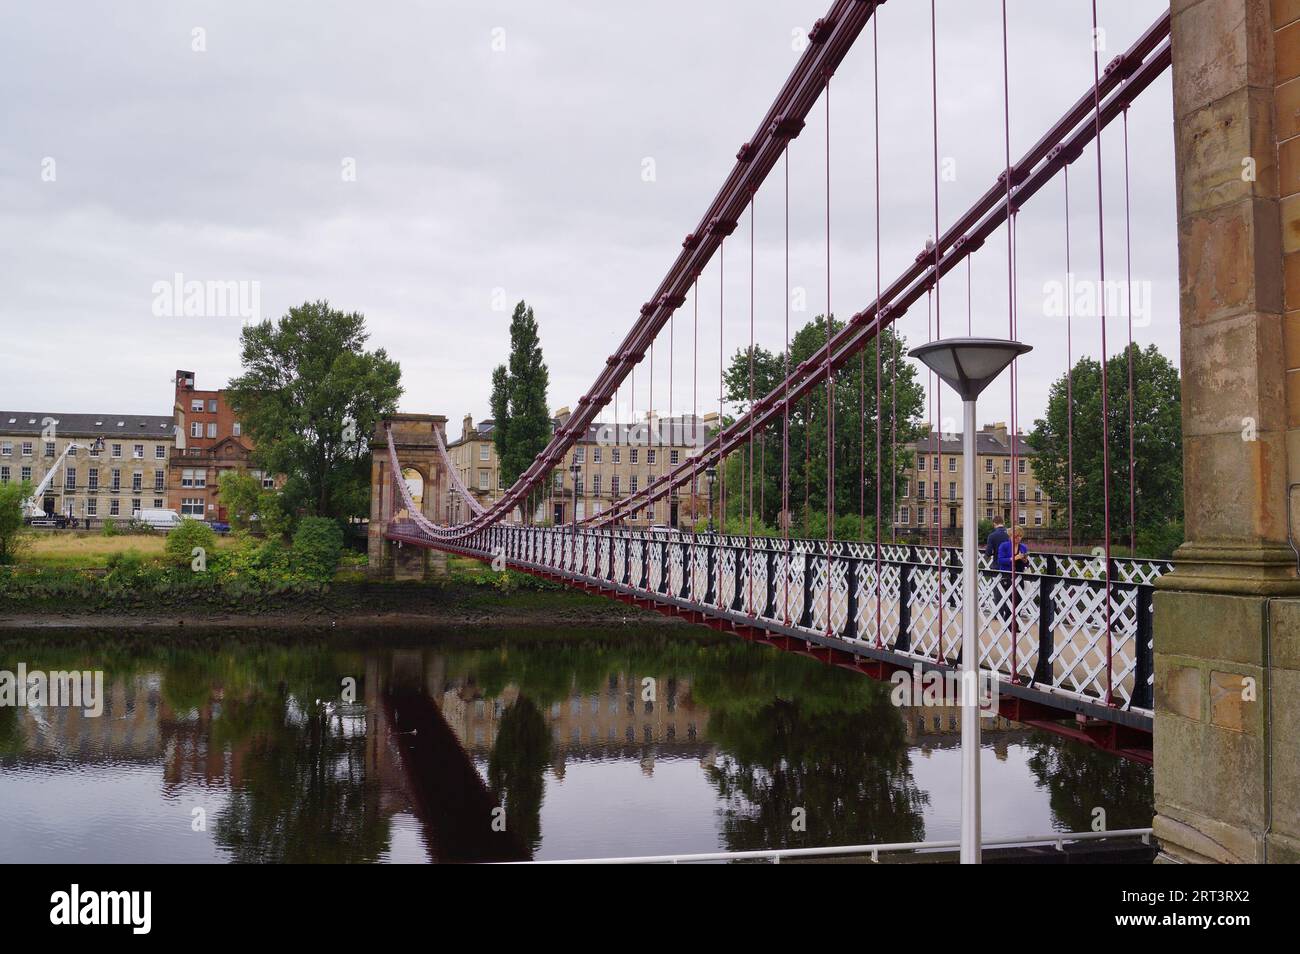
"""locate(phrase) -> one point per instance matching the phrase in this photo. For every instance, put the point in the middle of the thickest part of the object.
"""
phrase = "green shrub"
(182, 540)
(1159, 543)
(317, 545)
(110, 528)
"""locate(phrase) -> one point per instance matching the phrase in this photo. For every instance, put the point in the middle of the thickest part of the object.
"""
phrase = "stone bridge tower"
(418, 452)
(1227, 620)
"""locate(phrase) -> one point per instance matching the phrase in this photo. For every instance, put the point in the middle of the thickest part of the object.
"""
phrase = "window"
(27, 448)
(70, 479)
(614, 483)
(935, 464)
(935, 487)
(595, 455)
(650, 456)
(580, 455)
(196, 429)
(557, 480)
(1038, 518)
(483, 480)
(92, 479)
(268, 482)
(1038, 495)
(158, 480)
(920, 462)
(484, 451)
(195, 477)
(92, 507)
(952, 490)
(25, 474)
(988, 513)
(137, 481)
(1020, 494)
(907, 488)
(674, 457)
(579, 488)
(988, 491)
(114, 507)
(934, 516)
(1006, 466)
(212, 430)
(952, 464)
(196, 404)
(920, 490)
(1006, 491)
(191, 506)
(618, 454)
(1023, 519)
(633, 481)
(4, 475)
(94, 449)
(1020, 465)
(117, 479)
(7, 449)
(49, 448)
(117, 451)
(212, 405)
(137, 452)
(135, 505)
(988, 465)
(633, 454)
(595, 482)
(238, 429)
(920, 516)
(157, 502)
(904, 515)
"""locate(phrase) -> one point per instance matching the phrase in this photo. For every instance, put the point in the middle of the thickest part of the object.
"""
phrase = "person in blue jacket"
(1013, 549)
(997, 536)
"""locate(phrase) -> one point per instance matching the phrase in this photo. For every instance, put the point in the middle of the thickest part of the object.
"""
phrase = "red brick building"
(209, 441)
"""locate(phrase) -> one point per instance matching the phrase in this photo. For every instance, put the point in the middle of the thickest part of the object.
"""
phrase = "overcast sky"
(430, 163)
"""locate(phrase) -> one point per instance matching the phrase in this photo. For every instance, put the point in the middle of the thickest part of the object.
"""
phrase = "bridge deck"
(1045, 641)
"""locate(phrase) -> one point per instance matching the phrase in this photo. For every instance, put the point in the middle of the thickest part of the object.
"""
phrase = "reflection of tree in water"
(1079, 779)
(305, 795)
(519, 760)
(848, 770)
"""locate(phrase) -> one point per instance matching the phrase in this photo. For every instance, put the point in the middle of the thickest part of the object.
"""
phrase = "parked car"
(157, 519)
(220, 526)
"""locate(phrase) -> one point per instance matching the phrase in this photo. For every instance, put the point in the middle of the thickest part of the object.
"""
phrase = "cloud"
(519, 169)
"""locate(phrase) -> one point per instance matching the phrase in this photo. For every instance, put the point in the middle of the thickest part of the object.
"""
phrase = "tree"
(309, 396)
(11, 519)
(520, 412)
(239, 494)
(901, 402)
(1157, 444)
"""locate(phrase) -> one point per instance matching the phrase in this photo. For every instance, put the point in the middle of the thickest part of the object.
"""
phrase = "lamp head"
(969, 365)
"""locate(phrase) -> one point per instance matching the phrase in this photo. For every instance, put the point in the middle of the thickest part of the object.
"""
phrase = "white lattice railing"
(1073, 625)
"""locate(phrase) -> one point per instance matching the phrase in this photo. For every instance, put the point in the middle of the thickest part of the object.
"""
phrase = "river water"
(492, 744)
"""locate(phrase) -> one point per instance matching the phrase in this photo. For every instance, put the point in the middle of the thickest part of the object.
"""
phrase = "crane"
(31, 506)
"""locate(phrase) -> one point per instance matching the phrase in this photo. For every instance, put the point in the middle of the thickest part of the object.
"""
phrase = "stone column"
(1227, 631)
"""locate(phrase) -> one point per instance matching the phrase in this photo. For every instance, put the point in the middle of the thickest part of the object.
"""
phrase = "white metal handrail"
(775, 855)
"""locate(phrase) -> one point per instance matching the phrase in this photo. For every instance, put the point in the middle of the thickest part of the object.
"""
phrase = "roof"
(985, 443)
(153, 426)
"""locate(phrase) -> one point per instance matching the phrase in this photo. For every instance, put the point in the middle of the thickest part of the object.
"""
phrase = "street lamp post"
(711, 474)
(968, 366)
(575, 469)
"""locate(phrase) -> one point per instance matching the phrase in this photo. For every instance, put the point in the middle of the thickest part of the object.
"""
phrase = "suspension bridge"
(1070, 639)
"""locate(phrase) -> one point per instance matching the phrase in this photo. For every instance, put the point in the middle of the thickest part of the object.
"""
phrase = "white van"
(158, 519)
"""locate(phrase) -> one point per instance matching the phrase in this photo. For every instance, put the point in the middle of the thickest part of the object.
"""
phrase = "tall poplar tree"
(520, 411)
